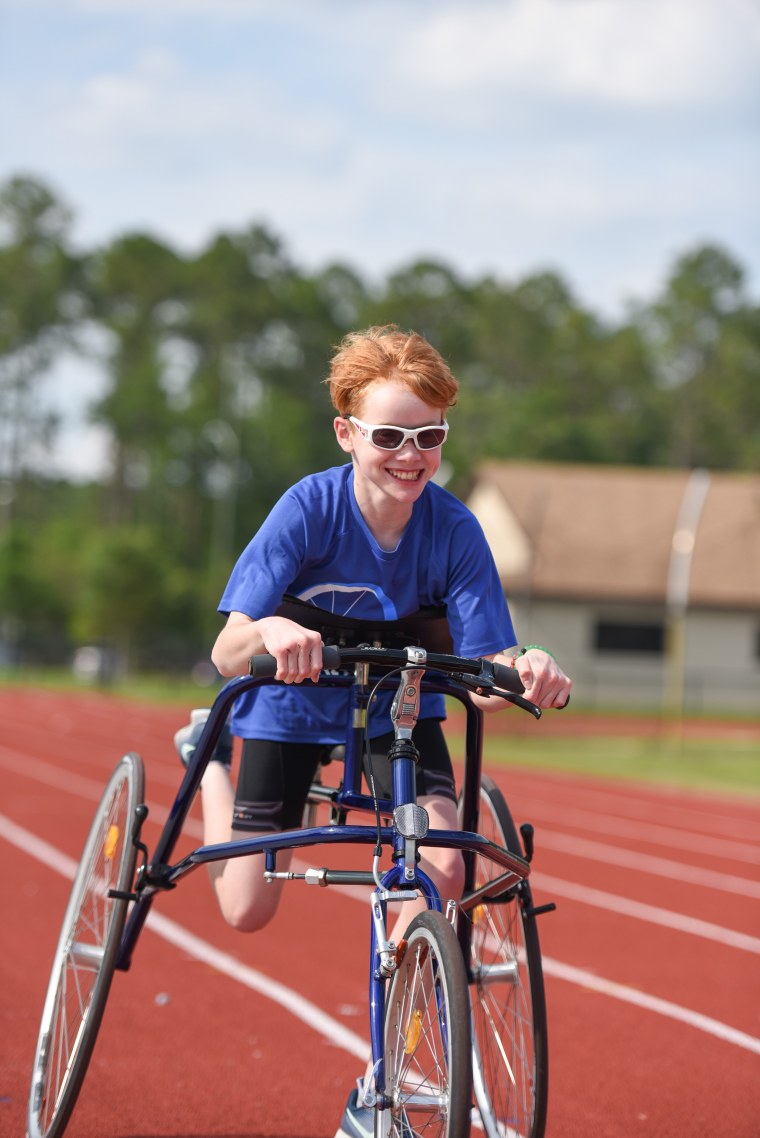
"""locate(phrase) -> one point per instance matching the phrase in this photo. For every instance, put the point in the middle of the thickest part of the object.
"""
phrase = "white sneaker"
(186, 739)
(358, 1120)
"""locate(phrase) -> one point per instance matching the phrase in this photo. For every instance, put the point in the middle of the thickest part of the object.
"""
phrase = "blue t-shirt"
(315, 545)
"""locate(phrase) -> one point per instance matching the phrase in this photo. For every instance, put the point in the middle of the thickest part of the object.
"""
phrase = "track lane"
(589, 1032)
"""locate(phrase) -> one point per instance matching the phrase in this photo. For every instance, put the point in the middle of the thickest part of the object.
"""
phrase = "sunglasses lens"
(429, 439)
(387, 438)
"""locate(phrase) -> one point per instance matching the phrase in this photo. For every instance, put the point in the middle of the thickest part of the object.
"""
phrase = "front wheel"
(427, 1035)
(86, 954)
(509, 1044)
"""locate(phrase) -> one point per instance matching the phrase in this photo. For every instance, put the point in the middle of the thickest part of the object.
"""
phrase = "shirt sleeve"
(478, 613)
(269, 563)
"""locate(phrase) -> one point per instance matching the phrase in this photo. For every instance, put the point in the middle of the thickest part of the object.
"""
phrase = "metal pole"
(677, 593)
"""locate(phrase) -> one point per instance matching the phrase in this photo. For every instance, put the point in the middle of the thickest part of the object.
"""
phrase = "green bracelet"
(540, 647)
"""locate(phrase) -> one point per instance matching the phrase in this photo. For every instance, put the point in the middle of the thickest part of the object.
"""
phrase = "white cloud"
(158, 100)
(628, 52)
(601, 138)
(238, 9)
(492, 133)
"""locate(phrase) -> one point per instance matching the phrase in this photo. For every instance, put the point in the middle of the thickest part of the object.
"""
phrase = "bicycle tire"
(85, 957)
(427, 1035)
(509, 1036)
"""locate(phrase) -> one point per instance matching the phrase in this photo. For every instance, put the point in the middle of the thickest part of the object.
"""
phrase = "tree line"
(214, 403)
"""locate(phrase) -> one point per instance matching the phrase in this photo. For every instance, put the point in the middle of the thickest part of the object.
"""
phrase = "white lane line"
(28, 767)
(85, 787)
(80, 785)
(38, 848)
(647, 863)
(598, 898)
(650, 832)
(631, 802)
(650, 1003)
(303, 1009)
(587, 848)
(39, 769)
(627, 907)
(331, 1029)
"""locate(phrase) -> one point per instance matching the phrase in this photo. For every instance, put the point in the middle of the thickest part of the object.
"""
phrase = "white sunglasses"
(385, 437)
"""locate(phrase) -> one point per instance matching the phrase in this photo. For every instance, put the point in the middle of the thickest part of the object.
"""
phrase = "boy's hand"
(545, 683)
(298, 650)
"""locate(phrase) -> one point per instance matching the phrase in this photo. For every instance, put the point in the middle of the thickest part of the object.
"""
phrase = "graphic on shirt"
(366, 601)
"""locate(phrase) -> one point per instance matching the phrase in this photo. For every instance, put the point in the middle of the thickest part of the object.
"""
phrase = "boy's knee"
(456, 877)
(246, 920)
(248, 916)
(448, 874)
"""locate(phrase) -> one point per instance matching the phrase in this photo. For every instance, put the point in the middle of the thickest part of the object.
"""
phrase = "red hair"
(384, 354)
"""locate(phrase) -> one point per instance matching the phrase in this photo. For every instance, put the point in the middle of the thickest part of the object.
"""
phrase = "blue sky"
(599, 138)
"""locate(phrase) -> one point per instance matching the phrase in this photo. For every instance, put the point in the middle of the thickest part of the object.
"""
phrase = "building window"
(630, 637)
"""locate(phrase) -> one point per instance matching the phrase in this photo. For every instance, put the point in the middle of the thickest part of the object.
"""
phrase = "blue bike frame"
(159, 874)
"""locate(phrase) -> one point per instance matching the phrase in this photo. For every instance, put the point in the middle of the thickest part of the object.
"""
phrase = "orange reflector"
(413, 1033)
(111, 842)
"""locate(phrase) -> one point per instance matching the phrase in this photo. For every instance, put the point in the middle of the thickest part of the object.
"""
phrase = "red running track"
(652, 958)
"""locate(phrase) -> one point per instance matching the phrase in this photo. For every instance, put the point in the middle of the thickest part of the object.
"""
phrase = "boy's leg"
(273, 782)
(436, 791)
(446, 867)
(246, 900)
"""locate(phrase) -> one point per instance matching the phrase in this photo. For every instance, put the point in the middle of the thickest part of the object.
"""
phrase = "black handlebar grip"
(264, 666)
(330, 657)
(508, 678)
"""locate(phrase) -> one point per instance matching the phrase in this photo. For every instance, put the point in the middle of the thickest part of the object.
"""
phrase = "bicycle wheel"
(86, 954)
(427, 1035)
(509, 1043)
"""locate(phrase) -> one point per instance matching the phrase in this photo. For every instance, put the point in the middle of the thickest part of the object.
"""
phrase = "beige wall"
(722, 669)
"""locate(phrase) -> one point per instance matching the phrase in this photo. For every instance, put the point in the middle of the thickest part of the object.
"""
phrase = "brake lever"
(481, 685)
(518, 700)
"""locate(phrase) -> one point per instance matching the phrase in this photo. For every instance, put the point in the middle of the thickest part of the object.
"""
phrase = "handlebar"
(485, 677)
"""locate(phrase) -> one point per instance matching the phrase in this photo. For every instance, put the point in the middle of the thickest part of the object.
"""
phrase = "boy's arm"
(298, 650)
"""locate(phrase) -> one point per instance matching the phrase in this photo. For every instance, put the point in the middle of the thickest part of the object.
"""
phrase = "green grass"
(152, 688)
(730, 766)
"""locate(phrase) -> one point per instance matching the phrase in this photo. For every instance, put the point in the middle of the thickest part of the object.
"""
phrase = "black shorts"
(274, 778)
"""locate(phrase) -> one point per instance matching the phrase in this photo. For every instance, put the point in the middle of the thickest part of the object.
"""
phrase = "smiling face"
(390, 482)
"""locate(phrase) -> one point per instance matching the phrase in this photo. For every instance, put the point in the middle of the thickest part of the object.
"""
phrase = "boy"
(374, 538)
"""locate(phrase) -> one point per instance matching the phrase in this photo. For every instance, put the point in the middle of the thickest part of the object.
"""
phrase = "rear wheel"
(427, 1035)
(509, 1044)
(86, 954)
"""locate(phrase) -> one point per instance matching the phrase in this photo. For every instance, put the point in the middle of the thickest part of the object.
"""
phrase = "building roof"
(609, 533)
